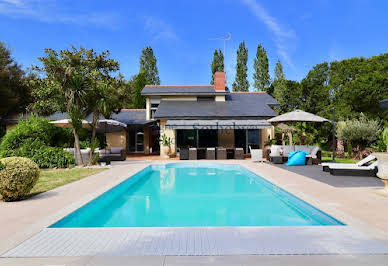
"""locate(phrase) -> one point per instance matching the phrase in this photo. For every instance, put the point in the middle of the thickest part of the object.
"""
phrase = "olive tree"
(359, 132)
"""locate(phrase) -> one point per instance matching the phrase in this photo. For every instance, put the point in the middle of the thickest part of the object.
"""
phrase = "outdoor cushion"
(314, 151)
(287, 149)
(296, 158)
(104, 151)
(275, 149)
(116, 150)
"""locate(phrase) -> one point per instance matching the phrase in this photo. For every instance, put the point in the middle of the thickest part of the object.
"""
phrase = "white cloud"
(282, 35)
(49, 11)
(159, 29)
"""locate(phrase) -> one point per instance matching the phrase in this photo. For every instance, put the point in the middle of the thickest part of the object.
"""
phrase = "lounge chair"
(354, 170)
(363, 162)
(256, 154)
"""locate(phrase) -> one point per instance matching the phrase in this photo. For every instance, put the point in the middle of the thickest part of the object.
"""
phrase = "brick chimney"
(219, 81)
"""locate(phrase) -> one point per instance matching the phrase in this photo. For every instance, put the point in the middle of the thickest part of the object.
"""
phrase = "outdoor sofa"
(279, 153)
(112, 154)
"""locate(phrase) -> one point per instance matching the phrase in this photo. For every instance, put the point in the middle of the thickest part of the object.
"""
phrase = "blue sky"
(299, 33)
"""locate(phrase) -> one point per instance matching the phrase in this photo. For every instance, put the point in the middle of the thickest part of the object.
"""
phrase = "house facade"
(210, 115)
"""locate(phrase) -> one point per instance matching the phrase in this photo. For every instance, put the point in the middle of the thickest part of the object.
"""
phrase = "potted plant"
(166, 146)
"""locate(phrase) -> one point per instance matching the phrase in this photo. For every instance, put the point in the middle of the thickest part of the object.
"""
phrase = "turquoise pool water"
(200, 194)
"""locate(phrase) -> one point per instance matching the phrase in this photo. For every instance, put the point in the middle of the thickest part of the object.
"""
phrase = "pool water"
(196, 194)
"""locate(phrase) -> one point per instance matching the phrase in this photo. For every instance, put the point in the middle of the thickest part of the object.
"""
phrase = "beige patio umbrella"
(297, 116)
(66, 123)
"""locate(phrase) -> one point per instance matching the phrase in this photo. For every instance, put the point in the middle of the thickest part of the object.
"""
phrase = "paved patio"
(342, 199)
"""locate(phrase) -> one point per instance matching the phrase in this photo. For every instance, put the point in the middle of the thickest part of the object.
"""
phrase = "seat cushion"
(287, 149)
(275, 150)
(116, 150)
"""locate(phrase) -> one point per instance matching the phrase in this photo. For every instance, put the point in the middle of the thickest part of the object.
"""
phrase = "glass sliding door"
(240, 139)
(186, 138)
(207, 138)
(253, 138)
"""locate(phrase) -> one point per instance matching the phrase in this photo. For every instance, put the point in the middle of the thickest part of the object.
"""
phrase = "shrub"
(32, 139)
(51, 157)
(34, 129)
(17, 177)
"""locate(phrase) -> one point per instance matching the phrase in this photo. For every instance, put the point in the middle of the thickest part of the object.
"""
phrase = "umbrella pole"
(334, 144)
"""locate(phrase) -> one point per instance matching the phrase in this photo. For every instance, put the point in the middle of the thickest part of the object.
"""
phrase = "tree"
(103, 97)
(358, 84)
(261, 76)
(68, 79)
(217, 63)
(138, 82)
(314, 95)
(279, 74)
(14, 94)
(241, 82)
(148, 66)
(360, 132)
(279, 84)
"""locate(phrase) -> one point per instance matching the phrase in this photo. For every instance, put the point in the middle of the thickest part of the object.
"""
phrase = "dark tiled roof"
(127, 116)
(180, 90)
(244, 105)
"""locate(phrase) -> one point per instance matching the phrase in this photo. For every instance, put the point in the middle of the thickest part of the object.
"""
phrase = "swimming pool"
(196, 194)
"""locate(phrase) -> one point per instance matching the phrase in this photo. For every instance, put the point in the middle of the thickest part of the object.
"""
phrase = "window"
(205, 98)
(154, 107)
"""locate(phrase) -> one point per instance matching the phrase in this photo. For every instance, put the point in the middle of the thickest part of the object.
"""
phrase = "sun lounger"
(354, 170)
(326, 166)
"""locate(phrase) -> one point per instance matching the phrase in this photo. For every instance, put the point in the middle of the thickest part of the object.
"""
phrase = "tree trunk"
(94, 128)
(77, 149)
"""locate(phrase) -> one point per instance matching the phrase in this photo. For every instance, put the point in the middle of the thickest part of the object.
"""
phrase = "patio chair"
(221, 153)
(326, 166)
(193, 154)
(239, 154)
(211, 153)
(184, 154)
(354, 170)
(256, 154)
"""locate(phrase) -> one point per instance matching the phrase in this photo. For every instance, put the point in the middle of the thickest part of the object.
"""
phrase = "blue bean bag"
(296, 158)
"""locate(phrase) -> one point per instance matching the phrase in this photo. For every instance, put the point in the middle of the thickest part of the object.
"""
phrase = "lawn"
(338, 160)
(52, 178)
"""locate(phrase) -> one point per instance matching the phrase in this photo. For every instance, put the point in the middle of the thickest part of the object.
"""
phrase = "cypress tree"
(217, 63)
(241, 82)
(279, 84)
(261, 76)
(148, 66)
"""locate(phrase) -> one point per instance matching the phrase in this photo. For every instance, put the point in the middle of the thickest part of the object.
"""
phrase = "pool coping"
(42, 225)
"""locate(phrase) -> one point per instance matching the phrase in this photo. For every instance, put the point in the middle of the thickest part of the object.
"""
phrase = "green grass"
(338, 160)
(52, 178)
